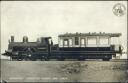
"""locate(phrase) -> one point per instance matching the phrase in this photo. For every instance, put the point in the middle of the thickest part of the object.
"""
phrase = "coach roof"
(90, 34)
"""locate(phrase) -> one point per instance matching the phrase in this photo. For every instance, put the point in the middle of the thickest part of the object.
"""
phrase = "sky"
(51, 18)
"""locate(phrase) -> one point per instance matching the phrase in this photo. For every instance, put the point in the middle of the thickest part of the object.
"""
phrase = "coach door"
(76, 41)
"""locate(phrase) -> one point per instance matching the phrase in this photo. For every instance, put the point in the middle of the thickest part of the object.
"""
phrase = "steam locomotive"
(80, 46)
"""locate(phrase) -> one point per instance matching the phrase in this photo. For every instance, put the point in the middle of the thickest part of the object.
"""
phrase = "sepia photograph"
(63, 41)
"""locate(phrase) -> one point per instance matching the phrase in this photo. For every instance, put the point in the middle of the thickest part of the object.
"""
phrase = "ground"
(64, 71)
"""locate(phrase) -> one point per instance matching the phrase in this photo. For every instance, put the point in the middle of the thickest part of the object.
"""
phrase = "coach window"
(115, 40)
(70, 42)
(82, 41)
(103, 40)
(91, 41)
(76, 40)
(66, 42)
(61, 42)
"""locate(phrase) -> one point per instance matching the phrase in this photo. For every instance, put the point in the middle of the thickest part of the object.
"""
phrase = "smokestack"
(25, 39)
(12, 38)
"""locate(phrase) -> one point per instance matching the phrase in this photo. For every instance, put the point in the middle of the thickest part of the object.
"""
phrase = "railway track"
(100, 60)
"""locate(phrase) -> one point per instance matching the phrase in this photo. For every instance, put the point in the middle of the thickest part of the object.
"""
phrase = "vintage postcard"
(63, 41)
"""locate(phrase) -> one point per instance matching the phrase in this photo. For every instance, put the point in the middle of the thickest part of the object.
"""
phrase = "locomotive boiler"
(80, 46)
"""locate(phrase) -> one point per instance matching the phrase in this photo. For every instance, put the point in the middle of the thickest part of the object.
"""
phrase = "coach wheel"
(33, 58)
(81, 59)
(26, 58)
(42, 58)
(106, 59)
(61, 59)
(46, 59)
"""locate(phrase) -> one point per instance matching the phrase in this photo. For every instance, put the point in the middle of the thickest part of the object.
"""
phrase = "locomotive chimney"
(25, 39)
(12, 38)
